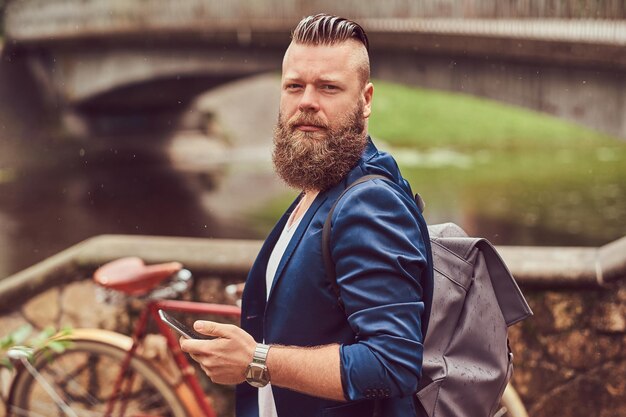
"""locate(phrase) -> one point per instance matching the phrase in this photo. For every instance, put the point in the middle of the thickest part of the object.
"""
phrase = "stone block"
(43, 310)
(598, 392)
(533, 375)
(11, 322)
(615, 387)
(81, 307)
(610, 317)
(566, 309)
(210, 290)
(582, 349)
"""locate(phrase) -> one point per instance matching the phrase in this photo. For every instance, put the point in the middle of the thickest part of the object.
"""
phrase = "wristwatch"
(257, 373)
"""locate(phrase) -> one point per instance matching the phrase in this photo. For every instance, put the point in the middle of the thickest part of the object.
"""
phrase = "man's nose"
(309, 100)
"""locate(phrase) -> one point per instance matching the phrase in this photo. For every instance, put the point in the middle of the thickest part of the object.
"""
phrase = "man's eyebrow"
(328, 80)
(289, 79)
(294, 79)
(322, 80)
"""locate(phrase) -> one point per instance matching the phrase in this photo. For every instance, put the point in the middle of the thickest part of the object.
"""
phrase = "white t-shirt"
(267, 407)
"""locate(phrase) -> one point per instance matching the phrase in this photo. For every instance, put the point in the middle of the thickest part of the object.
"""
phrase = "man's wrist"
(260, 353)
(257, 373)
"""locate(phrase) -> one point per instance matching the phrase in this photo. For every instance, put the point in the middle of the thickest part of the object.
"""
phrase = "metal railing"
(31, 20)
(290, 10)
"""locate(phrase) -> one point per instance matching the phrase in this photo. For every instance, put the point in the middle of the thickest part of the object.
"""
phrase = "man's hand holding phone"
(185, 331)
(225, 357)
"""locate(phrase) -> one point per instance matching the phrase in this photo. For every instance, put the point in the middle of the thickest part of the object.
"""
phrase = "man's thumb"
(210, 328)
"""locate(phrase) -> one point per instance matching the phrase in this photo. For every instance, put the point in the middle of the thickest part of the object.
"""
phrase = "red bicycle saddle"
(131, 276)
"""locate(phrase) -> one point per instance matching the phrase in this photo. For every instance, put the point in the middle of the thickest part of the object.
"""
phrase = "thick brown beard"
(318, 160)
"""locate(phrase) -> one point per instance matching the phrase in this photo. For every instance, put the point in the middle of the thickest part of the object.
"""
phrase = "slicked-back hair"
(324, 29)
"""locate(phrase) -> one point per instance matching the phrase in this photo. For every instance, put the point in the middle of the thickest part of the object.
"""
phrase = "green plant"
(46, 342)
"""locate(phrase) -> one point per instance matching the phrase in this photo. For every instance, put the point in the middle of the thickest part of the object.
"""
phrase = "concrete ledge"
(202, 256)
(567, 267)
(537, 267)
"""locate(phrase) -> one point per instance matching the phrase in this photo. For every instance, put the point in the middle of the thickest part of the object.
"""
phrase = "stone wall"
(570, 357)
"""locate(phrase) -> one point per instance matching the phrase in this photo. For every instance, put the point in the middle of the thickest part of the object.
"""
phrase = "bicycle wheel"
(511, 405)
(84, 376)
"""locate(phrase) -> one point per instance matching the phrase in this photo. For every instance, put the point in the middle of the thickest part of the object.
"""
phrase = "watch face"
(257, 375)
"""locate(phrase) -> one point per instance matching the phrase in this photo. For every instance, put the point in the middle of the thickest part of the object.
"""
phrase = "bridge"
(100, 59)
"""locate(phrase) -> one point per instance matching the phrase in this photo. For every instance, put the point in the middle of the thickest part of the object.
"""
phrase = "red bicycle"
(104, 373)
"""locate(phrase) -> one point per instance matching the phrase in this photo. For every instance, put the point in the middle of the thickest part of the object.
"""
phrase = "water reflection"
(565, 198)
(46, 210)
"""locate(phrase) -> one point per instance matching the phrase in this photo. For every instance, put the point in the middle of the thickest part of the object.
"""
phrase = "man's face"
(323, 110)
(324, 82)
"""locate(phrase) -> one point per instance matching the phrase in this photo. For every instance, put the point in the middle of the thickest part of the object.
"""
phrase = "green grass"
(408, 116)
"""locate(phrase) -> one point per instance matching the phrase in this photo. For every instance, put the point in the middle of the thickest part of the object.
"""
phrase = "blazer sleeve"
(380, 258)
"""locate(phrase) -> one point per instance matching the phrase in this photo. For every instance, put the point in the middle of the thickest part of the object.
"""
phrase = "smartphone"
(182, 329)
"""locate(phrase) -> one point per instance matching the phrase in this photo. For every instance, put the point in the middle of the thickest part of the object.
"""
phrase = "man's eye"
(329, 87)
(293, 86)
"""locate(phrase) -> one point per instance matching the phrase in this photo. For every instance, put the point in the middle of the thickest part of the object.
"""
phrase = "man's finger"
(211, 328)
(195, 346)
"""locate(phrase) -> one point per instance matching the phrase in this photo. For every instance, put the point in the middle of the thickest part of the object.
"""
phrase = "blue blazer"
(379, 243)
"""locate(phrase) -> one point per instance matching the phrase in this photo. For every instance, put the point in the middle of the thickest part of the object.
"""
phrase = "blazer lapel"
(296, 238)
(254, 304)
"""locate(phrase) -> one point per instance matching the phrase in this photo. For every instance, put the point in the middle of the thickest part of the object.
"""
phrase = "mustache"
(307, 118)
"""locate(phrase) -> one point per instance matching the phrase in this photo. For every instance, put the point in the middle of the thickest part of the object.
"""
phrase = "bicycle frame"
(188, 372)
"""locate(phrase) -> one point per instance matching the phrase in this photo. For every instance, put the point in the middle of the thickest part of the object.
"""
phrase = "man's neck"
(308, 196)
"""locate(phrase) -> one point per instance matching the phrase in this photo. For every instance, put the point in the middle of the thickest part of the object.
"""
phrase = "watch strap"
(260, 353)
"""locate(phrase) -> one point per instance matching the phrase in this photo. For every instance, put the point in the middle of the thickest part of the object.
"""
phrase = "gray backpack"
(467, 359)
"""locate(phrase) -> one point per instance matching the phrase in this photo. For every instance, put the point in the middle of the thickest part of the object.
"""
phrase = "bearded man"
(300, 352)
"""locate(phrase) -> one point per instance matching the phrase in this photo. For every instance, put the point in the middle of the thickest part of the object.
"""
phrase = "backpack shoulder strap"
(329, 265)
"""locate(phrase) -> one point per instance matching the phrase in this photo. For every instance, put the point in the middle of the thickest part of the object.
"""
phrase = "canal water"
(539, 198)
(211, 175)
(198, 180)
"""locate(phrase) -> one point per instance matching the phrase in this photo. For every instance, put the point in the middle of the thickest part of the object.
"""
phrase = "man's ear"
(368, 92)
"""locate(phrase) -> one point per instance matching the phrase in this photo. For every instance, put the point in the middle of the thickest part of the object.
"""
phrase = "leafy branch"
(46, 342)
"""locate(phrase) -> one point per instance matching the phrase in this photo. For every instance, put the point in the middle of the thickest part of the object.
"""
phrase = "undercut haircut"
(324, 29)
